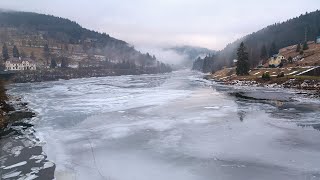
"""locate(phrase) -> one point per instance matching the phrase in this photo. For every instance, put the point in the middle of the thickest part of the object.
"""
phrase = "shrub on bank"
(266, 76)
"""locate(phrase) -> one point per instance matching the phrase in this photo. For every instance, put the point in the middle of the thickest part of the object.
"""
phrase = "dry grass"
(311, 56)
(228, 74)
(304, 77)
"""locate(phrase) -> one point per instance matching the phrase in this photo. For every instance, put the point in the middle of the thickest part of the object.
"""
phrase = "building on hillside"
(276, 60)
(18, 64)
(318, 40)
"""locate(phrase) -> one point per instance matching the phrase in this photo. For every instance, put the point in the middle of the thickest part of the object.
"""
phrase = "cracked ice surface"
(173, 126)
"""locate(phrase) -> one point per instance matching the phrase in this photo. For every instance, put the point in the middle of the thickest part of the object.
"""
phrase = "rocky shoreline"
(311, 86)
(21, 151)
(5, 108)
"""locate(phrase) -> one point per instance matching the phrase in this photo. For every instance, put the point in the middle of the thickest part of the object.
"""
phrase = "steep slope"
(280, 35)
(30, 30)
(61, 29)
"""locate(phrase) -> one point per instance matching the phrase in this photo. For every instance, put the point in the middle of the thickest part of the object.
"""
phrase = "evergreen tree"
(5, 53)
(46, 53)
(15, 52)
(290, 60)
(243, 61)
(53, 63)
(207, 64)
(263, 52)
(32, 56)
(305, 46)
(64, 62)
(273, 49)
(198, 64)
(298, 48)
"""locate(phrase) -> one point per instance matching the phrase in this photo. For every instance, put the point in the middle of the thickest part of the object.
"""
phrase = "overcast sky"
(206, 23)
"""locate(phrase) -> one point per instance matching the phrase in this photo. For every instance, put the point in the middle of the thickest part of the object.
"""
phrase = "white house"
(18, 64)
(276, 60)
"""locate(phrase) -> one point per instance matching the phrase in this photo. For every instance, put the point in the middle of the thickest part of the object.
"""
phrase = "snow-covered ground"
(173, 126)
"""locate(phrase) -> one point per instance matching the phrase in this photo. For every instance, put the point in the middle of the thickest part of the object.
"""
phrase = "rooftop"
(19, 60)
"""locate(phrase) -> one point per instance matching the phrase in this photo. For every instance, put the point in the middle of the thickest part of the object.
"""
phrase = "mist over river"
(174, 126)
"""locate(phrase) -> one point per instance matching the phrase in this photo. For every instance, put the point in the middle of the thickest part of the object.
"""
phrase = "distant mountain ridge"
(189, 54)
(192, 52)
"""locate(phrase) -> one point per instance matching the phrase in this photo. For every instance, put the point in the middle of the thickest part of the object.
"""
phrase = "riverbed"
(172, 126)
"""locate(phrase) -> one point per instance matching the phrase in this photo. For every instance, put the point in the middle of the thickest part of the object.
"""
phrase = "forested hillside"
(60, 29)
(29, 31)
(269, 40)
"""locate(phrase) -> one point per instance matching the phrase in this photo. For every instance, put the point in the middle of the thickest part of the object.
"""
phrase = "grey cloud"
(208, 23)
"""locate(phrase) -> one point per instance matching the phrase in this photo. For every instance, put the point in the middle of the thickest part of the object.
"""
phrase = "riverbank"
(72, 73)
(11, 110)
(5, 108)
(21, 154)
(276, 77)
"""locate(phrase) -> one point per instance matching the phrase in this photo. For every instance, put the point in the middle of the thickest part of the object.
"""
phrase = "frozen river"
(173, 126)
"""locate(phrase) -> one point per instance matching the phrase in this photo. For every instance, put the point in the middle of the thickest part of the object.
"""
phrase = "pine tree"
(298, 48)
(290, 60)
(64, 62)
(243, 61)
(46, 53)
(273, 49)
(32, 56)
(207, 64)
(53, 63)
(263, 52)
(15, 52)
(305, 46)
(5, 53)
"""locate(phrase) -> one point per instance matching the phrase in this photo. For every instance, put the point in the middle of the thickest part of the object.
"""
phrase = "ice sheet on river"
(172, 126)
